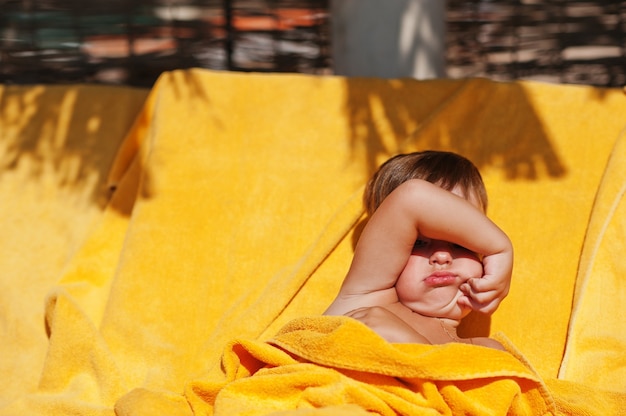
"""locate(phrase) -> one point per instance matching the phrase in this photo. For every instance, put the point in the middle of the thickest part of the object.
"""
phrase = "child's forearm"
(438, 214)
(418, 208)
(450, 218)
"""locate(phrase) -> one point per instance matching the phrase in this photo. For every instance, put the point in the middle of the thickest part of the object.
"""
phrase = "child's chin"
(463, 310)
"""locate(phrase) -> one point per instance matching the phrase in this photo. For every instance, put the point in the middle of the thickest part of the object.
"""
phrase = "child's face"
(430, 281)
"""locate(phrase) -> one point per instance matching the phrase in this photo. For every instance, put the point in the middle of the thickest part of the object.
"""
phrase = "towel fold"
(334, 361)
(596, 345)
(57, 144)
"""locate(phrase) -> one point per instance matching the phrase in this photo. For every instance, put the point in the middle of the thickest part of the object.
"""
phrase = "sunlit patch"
(93, 124)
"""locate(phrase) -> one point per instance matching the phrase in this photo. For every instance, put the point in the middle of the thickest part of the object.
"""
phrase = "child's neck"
(436, 330)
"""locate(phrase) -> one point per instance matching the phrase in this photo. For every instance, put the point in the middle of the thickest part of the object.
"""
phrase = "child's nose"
(441, 256)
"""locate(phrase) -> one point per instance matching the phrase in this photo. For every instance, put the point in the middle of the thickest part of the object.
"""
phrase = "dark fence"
(132, 41)
(567, 41)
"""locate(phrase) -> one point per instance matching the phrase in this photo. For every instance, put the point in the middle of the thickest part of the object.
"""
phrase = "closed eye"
(420, 243)
(463, 249)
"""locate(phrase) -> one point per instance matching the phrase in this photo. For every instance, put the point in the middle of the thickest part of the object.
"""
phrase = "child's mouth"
(440, 279)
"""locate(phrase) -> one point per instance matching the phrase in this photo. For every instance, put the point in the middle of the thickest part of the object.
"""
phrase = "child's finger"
(477, 291)
(480, 285)
(465, 302)
(481, 304)
(484, 285)
(485, 302)
(489, 307)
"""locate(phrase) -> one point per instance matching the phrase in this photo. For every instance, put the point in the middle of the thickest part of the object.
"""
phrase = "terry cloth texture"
(228, 224)
(331, 361)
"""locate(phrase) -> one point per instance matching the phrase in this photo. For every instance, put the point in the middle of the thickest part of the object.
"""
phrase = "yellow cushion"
(236, 206)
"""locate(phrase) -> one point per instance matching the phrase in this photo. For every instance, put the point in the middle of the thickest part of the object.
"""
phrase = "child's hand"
(485, 294)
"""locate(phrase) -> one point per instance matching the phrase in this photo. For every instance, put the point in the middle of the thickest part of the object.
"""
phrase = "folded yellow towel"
(334, 362)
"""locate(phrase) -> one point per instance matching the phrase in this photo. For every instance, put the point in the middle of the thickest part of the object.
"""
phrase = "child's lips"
(441, 279)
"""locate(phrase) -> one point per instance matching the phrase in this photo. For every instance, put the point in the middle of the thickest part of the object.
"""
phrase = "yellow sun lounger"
(170, 252)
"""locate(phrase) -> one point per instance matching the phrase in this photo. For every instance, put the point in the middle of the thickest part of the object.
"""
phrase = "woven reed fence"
(567, 41)
(132, 41)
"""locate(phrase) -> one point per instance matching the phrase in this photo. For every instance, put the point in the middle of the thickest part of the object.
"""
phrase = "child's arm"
(417, 208)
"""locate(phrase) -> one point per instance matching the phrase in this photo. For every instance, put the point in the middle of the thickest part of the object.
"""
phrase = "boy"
(428, 254)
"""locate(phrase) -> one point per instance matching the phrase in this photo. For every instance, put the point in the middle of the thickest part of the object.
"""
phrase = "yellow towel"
(57, 144)
(336, 362)
(596, 347)
(236, 207)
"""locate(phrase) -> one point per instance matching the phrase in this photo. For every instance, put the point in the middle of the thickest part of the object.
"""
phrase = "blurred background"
(130, 42)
